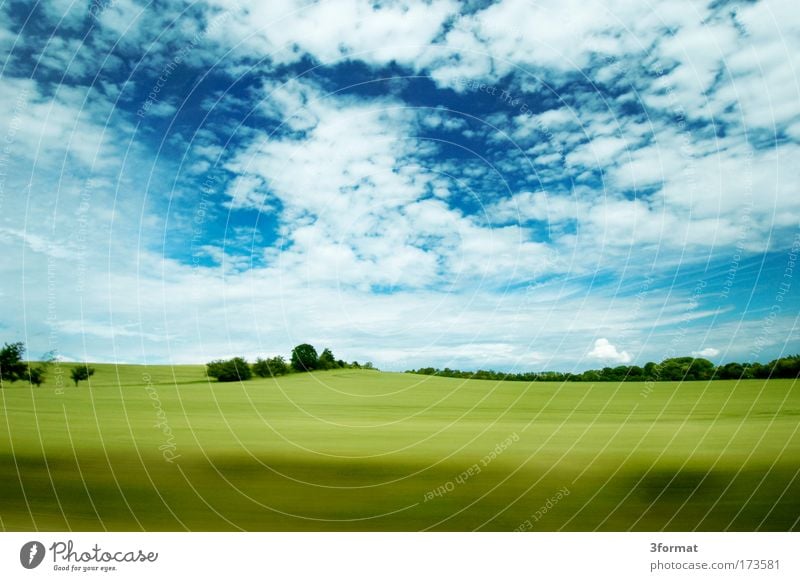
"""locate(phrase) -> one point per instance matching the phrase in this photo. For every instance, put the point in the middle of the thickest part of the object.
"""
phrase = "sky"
(515, 185)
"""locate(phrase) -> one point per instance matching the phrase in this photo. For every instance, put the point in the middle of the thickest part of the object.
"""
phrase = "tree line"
(672, 369)
(13, 367)
(304, 358)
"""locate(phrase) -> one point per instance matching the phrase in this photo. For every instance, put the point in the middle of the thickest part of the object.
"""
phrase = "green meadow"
(161, 448)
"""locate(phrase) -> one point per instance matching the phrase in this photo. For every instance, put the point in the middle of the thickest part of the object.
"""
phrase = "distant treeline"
(304, 358)
(674, 369)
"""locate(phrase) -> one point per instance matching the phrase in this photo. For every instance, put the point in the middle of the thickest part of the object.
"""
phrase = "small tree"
(81, 373)
(261, 368)
(305, 358)
(12, 367)
(36, 375)
(236, 369)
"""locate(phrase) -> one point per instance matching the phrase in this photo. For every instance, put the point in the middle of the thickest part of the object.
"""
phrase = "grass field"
(365, 450)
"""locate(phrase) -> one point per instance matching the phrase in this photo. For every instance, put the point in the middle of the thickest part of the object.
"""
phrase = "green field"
(364, 450)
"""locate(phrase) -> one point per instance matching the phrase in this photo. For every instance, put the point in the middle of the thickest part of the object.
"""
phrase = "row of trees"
(13, 367)
(304, 358)
(673, 369)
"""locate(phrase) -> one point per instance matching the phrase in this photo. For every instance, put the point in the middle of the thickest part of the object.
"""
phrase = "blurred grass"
(361, 450)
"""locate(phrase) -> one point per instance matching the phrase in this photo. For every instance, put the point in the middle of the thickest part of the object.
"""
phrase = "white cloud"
(247, 191)
(599, 152)
(557, 35)
(699, 49)
(331, 31)
(538, 206)
(760, 88)
(678, 59)
(707, 352)
(605, 351)
(162, 109)
(123, 18)
(41, 128)
(354, 189)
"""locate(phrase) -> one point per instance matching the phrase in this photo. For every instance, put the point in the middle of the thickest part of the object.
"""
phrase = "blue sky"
(517, 185)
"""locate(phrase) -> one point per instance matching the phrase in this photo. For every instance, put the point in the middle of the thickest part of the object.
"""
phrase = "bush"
(272, 367)
(236, 369)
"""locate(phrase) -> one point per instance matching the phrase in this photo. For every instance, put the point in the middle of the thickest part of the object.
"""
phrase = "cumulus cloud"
(375, 33)
(605, 351)
(356, 187)
(707, 352)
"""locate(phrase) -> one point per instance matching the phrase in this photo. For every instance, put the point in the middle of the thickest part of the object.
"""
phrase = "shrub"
(236, 369)
(272, 367)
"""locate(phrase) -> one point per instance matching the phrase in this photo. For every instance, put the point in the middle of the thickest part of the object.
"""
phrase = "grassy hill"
(161, 448)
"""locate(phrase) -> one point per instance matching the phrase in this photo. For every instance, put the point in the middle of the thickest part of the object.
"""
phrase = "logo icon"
(31, 554)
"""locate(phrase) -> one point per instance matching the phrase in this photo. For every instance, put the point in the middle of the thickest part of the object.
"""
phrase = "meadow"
(162, 448)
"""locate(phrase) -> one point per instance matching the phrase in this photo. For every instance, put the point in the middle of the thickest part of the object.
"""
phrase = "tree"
(81, 373)
(261, 368)
(620, 373)
(684, 369)
(12, 367)
(760, 371)
(700, 369)
(236, 369)
(272, 367)
(731, 370)
(327, 360)
(635, 373)
(36, 375)
(305, 358)
(591, 375)
(749, 370)
(785, 367)
(651, 371)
